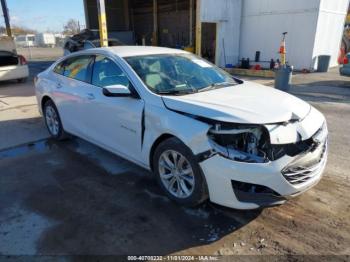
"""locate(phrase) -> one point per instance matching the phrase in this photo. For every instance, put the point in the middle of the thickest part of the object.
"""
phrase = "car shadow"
(99, 213)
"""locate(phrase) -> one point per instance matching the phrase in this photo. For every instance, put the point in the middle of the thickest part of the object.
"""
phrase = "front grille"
(306, 167)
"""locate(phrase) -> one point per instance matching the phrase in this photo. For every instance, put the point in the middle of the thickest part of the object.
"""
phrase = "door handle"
(59, 85)
(90, 96)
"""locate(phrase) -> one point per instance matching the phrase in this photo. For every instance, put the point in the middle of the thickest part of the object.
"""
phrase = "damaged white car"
(203, 133)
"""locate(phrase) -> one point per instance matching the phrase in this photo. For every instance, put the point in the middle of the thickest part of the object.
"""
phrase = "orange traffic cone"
(283, 51)
(342, 56)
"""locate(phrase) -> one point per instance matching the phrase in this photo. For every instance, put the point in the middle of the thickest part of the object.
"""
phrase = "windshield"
(179, 73)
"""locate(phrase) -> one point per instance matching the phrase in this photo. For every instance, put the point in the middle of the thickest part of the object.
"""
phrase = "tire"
(53, 121)
(22, 80)
(174, 183)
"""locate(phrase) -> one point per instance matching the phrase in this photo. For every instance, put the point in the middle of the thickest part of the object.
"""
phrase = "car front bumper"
(253, 185)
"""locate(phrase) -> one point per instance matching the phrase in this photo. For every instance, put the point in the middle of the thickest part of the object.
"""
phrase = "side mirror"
(116, 91)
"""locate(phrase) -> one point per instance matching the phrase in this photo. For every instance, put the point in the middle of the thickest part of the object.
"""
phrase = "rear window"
(59, 69)
(78, 68)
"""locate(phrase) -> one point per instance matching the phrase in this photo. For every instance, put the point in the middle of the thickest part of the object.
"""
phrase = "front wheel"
(178, 173)
(53, 121)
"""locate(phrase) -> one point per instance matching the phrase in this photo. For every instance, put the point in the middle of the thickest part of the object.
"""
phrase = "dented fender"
(161, 121)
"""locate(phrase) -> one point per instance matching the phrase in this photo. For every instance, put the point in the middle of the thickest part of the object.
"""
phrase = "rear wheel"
(53, 121)
(178, 173)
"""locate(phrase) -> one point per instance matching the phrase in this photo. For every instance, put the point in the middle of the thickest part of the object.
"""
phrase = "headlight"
(241, 144)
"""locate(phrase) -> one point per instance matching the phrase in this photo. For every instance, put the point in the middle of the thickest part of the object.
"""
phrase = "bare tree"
(72, 27)
(21, 30)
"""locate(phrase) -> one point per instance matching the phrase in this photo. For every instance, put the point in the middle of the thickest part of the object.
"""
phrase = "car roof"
(128, 51)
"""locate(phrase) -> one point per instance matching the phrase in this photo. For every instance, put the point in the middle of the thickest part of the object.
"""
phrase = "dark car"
(87, 39)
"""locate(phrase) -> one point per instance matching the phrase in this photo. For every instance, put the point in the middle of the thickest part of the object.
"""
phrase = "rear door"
(72, 77)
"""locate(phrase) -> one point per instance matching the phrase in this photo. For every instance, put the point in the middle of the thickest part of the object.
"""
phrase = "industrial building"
(225, 31)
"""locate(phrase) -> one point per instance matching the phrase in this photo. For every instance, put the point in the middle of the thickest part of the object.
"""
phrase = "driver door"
(113, 122)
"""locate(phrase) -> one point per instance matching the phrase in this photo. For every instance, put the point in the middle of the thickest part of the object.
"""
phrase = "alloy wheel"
(176, 174)
(52, 120)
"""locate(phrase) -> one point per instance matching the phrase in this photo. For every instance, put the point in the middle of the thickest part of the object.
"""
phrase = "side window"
(107, 73)
(78, 68)
(59, 69)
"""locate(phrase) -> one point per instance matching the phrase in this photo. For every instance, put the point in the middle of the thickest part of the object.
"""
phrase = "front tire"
(53, 121)
(179, 174)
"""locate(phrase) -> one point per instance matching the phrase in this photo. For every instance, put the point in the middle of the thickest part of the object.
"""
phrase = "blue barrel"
(323, 63)
(283, 78)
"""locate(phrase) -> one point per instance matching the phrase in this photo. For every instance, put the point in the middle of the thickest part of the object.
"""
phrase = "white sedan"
(203, 133)
(12, 65)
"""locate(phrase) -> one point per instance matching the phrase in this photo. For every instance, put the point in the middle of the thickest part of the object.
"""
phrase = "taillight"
(22, 60)
(346, 60)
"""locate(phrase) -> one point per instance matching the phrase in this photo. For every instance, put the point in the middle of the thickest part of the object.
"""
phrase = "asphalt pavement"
(74, 198)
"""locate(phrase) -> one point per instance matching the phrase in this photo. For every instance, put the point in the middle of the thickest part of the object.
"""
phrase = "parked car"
(12, 65)
(87, 39)
(203, 133)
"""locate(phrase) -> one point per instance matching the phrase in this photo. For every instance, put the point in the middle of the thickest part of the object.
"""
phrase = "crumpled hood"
(247, 103)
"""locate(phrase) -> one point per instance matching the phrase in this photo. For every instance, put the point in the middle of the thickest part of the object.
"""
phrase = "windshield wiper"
(215, 86)
(176, 92)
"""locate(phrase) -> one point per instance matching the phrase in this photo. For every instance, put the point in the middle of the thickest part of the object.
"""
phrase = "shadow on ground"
(95, 212)
(334, 83)
(317, 92)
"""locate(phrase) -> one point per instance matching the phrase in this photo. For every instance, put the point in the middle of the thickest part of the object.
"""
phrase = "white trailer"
(27, 40)
(45, 40)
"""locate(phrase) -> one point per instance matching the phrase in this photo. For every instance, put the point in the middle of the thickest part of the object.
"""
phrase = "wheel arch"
(44, 99)
(155, 144)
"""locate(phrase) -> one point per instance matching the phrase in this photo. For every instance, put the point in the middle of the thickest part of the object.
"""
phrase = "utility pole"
(102, 22)
(6, 17)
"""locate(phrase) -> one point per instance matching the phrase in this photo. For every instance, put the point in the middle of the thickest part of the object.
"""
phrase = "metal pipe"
(198, 29)
(6, 17)
(102, 22)
(155, 23)
(87, 15)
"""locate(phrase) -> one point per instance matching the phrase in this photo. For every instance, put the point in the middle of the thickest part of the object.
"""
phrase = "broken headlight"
(239, 143)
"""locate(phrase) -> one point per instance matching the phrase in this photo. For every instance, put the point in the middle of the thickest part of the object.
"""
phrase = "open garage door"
(169, 23)
(174, 22)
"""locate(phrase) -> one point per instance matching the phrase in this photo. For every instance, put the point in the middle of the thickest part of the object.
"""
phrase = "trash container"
(323, 63)
(345, 68)
(283, 78)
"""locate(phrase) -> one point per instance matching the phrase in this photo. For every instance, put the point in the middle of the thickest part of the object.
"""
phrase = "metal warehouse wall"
(314, 28)
(264, 21)
(330, 27)
(227, 15)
